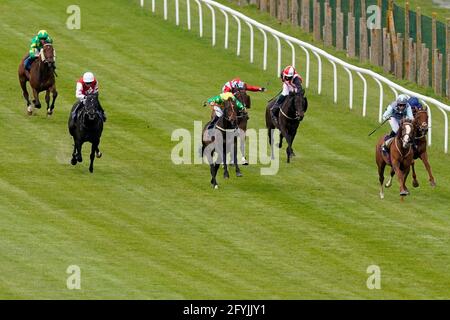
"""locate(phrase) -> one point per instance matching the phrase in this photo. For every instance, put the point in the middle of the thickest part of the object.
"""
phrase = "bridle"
(227, 116)
(422, 128)
(44, 59)
(297, 115)
(405, 133)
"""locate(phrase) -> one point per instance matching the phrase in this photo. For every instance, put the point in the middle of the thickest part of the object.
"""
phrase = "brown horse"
(220, 140)
(41, 78)
(242, 119)
(400, 156)
(420, 147)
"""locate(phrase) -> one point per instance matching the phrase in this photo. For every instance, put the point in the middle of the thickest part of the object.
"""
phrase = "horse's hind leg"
(381, 167)
(426, 163)
(78, 145)
(26, 96)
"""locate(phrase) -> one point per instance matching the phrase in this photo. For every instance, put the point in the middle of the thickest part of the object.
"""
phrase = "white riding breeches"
(218, 111)
(395, 125)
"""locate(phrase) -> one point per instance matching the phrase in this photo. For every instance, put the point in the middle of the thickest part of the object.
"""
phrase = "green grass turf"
(427, 7)
(142, 227)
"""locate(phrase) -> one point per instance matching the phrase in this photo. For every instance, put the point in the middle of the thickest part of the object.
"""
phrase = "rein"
(290, 118)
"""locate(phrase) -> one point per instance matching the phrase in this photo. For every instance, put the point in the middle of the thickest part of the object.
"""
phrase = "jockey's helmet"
(88, 77)
(289, 72)
(415, 103)
(42, 35)
(402, 101)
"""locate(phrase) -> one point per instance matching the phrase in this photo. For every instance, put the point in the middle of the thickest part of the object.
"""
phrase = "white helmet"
(88, 77)
(402, 99)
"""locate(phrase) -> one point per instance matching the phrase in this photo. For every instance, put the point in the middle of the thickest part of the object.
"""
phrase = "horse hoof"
(73, 161)
(80, 159)
(292, 154)
(49, 112)
(98, 154)
(433, 184)
(238, 174)
(381, 196)
(37, 106)
(226, 176)
(91, 170)
(388, 185)
(404, 193)
(216, 187)
(415, 184)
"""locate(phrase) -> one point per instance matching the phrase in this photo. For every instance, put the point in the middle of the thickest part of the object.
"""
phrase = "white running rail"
(318, 53)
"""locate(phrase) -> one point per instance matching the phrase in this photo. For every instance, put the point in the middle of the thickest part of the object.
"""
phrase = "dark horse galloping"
(242, 119)
(220, 140)
(291, 114)
(87, 126)
(42, 78)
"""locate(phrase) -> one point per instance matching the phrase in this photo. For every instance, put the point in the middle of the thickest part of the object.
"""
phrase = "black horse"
(221, 140)
(87, 126)
(291, 113)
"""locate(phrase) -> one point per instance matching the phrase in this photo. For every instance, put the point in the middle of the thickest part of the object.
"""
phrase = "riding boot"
(274, 114)
(387, 142)
(75, 111)
(212, 124)
(102, 112)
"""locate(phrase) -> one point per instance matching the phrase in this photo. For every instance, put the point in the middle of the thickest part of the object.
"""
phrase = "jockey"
(396, 111)
(238, 84)
(87, 84)
(415, 104)
(217, 103)
(292, 82)
(37, 43)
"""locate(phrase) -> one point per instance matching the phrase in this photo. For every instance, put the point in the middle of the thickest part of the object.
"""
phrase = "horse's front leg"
(37, 103)
(78, 145)
(73, 161)
(242, 136)
(54, 95)
(289, 147)
(94, 148)
(426, 163)
(226, 174)
(238, 171)
(381, 166)
(214, 167)
(415, 183)
(401, 178)
(47, 99)
(389, 183)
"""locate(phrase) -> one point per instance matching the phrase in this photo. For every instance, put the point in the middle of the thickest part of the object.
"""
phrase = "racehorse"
(291, 114)
(42, 78)
(400, 156)
(420, 147)
(220, 140)
(87, 126)
(242, 119)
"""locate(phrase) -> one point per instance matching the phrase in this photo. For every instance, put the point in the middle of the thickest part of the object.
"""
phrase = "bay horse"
(242, 119)
(220, 140)
(292, 112)
(400, 156)
(419, 147)
(87, 127)
(41, 78)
